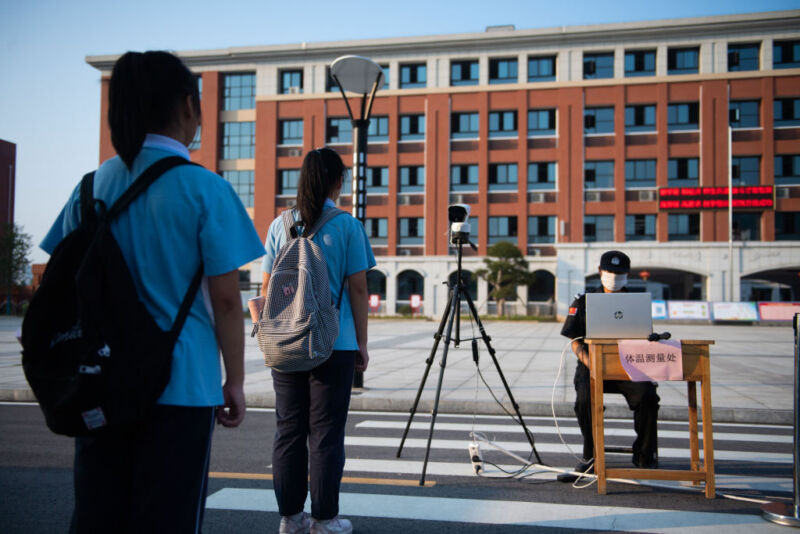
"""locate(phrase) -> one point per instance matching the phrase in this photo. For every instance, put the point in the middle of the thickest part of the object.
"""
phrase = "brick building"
(566, 141)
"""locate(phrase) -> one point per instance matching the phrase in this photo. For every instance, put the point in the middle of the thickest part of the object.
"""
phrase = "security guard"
(641, 396)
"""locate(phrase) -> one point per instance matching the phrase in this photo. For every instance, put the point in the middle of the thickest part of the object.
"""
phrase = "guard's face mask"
(613, 281)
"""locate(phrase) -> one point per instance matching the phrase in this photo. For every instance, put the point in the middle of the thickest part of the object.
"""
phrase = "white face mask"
(613, 281)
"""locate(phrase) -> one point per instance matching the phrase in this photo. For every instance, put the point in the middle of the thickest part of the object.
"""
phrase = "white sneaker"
(295, 524)
(336, 525)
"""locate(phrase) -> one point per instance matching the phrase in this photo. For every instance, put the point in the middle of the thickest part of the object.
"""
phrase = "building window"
(198, 135)
(787, 112)
(244, 185)
(464, 178)
(640, 63)
(238, 91)
(287, 181)
(744, 114)
(386, 71)
(541, 122)
(291, 81)
(598, 175)
(743, 57)
(542, 229)
(600, 65)
(598, 228)
(412, 179)
(503, 70)
(640, 173)
(785, 54)
(683, 226)
(683, 172)
(746, 226)
(542, 175)
(787, 226)
(598, 120)
(412, 127)
(330, 82)
(464, 125)
(503, 177)
(683, 116)
(290, 132)
(377, 230)
(377, 180)
(378, 131)
(641, 118)
(640, 228)
(238, 140)
(464, 72)
(541, 68)
(339, 131)
(412, 231)
(503, 124)
(683, 60)
(787, 170)
(413, 75)
(502, 229)
(746, 170)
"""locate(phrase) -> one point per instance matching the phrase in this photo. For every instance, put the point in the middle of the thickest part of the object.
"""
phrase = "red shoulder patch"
(573, 310)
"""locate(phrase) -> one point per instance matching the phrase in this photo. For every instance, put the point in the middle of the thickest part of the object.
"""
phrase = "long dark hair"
(145, 95)
(320, 174)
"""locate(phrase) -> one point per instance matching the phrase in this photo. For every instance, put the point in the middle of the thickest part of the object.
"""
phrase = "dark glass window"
(744, 114)
(287, 181)
(746, 226)
(640, 173)
(412, 231)
(244, 185)
(503, 124)
(683, 172)
(598, 120)
(290, 132)
(640, 228)
(787, 111)
(785, 54)
(412, 179)
(542, 229)
(787, 170)
(600, 65)
(413, 75)
(502, 229)
(377, 180)
(598, 228)
(386, 71)
(598, 175)
(541, 122)
(377, 230)
(746, 170)
(339, 130)
(238, 91)
(541, 68)
(291, 81)
(464, 72)
(464, 178)
(412, 127)
(743, 57)
(683, 60)
(502, 177)
(683, 226)
(787, 226)
(641, 118)
(640, 63)
(238, 140)
(503, 70)
(464, 125)
(684, 116)
(378, 130)
(541, 175)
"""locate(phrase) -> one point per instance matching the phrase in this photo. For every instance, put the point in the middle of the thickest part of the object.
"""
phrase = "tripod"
(452, 316)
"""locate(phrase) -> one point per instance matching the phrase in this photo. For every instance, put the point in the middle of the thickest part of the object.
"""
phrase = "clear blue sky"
(50, 97)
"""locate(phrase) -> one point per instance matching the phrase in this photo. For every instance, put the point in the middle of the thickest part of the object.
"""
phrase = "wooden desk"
(604, 357)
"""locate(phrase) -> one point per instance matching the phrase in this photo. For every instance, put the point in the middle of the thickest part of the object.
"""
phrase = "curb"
(533, 409)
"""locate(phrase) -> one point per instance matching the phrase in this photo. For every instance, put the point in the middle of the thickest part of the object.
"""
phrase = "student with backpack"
(152, 477)
(311, 405)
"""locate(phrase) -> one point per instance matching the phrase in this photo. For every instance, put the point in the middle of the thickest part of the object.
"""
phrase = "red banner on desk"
(647, 361)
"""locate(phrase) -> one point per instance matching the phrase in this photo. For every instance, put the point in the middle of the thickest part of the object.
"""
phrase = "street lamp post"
(362, 76)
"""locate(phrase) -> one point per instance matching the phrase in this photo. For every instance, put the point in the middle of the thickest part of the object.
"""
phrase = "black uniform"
(641, 396)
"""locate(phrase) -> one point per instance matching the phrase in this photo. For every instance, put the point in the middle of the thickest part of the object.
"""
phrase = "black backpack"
(92, 353)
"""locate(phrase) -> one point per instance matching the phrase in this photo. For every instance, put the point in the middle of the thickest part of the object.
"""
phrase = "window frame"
(537, 60)
(503, 63)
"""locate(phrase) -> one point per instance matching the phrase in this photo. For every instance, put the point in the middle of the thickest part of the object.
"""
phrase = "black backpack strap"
(186, 305)
(150, 175)
(87, 198)
(326, 216)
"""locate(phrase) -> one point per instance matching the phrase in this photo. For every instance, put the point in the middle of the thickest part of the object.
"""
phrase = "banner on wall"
(688, 309)
(659, 308)
(778, 311)
(735, 311)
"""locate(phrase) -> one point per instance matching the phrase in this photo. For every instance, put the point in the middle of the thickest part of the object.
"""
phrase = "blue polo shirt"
(188, 216)
(347, 251)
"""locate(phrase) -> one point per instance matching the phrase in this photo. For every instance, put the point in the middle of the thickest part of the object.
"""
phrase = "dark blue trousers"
(311, 407)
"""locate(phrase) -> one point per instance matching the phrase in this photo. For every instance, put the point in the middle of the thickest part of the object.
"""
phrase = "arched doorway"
(470, 280)
(376, 285)
(775, 285)
(541, 294)
(409, 283)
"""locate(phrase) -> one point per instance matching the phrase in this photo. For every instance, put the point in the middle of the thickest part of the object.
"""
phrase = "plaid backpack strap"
(288, 223)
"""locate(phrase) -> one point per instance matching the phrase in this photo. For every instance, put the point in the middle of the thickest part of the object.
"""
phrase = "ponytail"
(320, 174)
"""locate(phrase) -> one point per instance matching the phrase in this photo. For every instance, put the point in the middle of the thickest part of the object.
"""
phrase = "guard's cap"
(615, 261)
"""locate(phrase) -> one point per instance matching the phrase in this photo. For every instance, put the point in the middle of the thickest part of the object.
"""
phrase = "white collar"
(163, 142)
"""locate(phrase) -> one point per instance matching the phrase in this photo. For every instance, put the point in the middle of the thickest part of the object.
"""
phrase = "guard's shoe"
(642, 463)
(295, 524)
(583, 467)
(337, 525)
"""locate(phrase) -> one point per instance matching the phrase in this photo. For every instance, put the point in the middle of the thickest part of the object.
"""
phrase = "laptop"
(618, 315)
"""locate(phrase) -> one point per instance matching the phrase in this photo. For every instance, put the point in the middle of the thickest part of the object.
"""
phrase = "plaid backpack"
(299, 324)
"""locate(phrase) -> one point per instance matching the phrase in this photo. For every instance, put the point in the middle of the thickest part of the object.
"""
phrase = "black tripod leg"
(455, 304)
(437, 337)
(486, 340)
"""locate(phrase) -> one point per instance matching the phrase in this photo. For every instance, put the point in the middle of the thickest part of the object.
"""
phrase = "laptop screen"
(618, 315)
